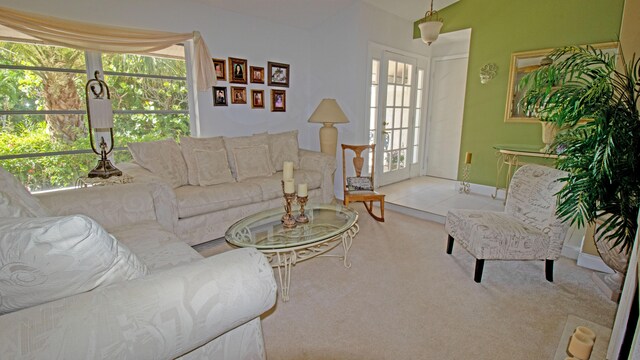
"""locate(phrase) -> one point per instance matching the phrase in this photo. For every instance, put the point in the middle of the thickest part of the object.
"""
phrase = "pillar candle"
(587, 332)
(302, 190)
(289, 187)
(467, 159)
(580, 346)
(287, 170)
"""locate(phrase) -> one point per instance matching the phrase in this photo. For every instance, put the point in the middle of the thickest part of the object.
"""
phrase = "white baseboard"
(424, 215)
(486, 190)
(594, 263)
(571, 252)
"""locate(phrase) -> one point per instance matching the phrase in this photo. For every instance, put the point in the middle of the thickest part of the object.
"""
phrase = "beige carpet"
(405, 298)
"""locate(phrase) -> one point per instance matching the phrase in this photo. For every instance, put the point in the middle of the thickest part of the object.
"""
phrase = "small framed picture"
(219, 96)
(237, 70)
(257, 74)
(278, 100)
(257, 99)
(278, 74)
(238, 95)
(220, 69)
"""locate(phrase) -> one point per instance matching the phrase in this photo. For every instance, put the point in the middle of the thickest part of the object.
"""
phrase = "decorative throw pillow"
(9, 209)
(45, 259)
(361, 183)
(17, 200)
(252, 161)
(163, 158)
(213, 167)
(284, 147)
(190, 144)
(231, 143)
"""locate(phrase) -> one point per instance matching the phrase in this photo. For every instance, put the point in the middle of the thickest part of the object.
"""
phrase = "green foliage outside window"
(33, 90)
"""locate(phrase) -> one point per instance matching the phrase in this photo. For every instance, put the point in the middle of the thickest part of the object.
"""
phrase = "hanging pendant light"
(430, 26)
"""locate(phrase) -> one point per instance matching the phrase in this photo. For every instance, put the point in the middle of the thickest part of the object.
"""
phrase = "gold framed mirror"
(523, 63)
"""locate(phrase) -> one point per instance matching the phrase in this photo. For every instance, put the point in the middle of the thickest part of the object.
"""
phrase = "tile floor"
(430, 198)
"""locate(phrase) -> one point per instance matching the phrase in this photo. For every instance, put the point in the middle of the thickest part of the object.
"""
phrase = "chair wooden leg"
(548, 269)
(369, 206)
(449, 244)
(479, 267)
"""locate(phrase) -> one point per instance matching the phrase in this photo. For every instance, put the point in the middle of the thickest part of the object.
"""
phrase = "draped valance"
(96, 37)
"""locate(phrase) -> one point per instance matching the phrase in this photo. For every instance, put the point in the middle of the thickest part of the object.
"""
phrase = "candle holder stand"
(288, 220)
(302, 201)
(465, 186)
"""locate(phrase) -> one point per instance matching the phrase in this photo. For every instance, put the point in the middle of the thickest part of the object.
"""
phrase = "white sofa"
(57, 302)
(243, 176)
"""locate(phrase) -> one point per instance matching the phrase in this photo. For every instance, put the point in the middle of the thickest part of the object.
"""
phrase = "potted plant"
(593, 96)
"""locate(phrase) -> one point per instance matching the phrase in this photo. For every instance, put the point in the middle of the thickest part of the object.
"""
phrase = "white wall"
(339, 63)
(227, 34)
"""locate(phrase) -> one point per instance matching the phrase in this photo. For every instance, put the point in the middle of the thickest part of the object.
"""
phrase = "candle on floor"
(289, 187)
(587, 332)
(580, 346)
(287, 170)
(302, 190)
(467, 159)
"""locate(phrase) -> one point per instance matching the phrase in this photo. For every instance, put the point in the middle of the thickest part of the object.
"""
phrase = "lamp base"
(104, 169)
(328, 139)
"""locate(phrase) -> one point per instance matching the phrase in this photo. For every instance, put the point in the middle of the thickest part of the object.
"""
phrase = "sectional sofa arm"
(160, 316)
(115, 205)
(326, 164)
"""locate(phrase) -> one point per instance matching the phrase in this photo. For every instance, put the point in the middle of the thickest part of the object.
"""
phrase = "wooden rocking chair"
(361, 188)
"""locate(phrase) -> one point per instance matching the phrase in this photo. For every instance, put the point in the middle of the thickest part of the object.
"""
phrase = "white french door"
(397, 127)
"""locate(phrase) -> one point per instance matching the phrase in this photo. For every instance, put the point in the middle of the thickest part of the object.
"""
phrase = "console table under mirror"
(509, 159)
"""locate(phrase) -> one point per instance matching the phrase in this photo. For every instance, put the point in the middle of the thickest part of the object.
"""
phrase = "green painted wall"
(500, 27)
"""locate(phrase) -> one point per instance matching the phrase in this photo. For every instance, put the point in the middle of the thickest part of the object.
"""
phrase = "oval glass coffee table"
(328, 226)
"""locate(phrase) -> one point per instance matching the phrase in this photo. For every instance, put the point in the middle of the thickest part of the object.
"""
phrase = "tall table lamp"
(328, 113)
(100, 117)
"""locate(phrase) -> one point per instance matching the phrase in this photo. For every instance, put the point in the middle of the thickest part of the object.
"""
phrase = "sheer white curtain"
(89, 36)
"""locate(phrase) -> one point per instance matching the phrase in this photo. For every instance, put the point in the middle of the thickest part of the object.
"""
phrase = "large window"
(44, 136)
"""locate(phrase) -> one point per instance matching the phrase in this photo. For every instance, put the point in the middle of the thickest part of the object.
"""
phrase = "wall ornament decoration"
(488, 72)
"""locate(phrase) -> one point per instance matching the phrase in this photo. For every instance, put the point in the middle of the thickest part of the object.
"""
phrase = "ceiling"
(307, 14)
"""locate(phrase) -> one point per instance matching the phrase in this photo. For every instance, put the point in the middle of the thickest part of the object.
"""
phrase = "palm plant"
(593, 95)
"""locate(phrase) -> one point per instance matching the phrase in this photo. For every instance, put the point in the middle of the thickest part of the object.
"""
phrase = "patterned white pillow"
(190, 144)
(17, 200)
(45, 259)
(232, 143)
(213, 167)
(252, 161)
(163, 158)
(284, 147)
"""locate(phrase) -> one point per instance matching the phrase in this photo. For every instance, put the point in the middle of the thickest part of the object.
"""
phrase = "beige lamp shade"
(328, 113)
(100, 113)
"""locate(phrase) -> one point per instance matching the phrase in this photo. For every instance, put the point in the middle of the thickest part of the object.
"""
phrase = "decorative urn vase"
(549, 132)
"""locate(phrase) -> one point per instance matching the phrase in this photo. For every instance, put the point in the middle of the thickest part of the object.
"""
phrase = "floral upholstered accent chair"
(527, 229)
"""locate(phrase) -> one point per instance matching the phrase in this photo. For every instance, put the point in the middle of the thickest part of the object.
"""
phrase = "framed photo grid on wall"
(220, 96)
(238, 95)
(237, 70)
(257, 99)
(220, 69)
(278, 100)
(278, 74)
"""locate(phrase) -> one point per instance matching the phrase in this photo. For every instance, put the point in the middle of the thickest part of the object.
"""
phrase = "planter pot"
(616, 259)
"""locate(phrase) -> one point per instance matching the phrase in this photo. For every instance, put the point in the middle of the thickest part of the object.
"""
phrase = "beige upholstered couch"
(69, 289)
(214, 182)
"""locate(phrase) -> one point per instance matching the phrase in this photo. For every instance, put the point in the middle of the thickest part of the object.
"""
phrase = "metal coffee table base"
(284, 259)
